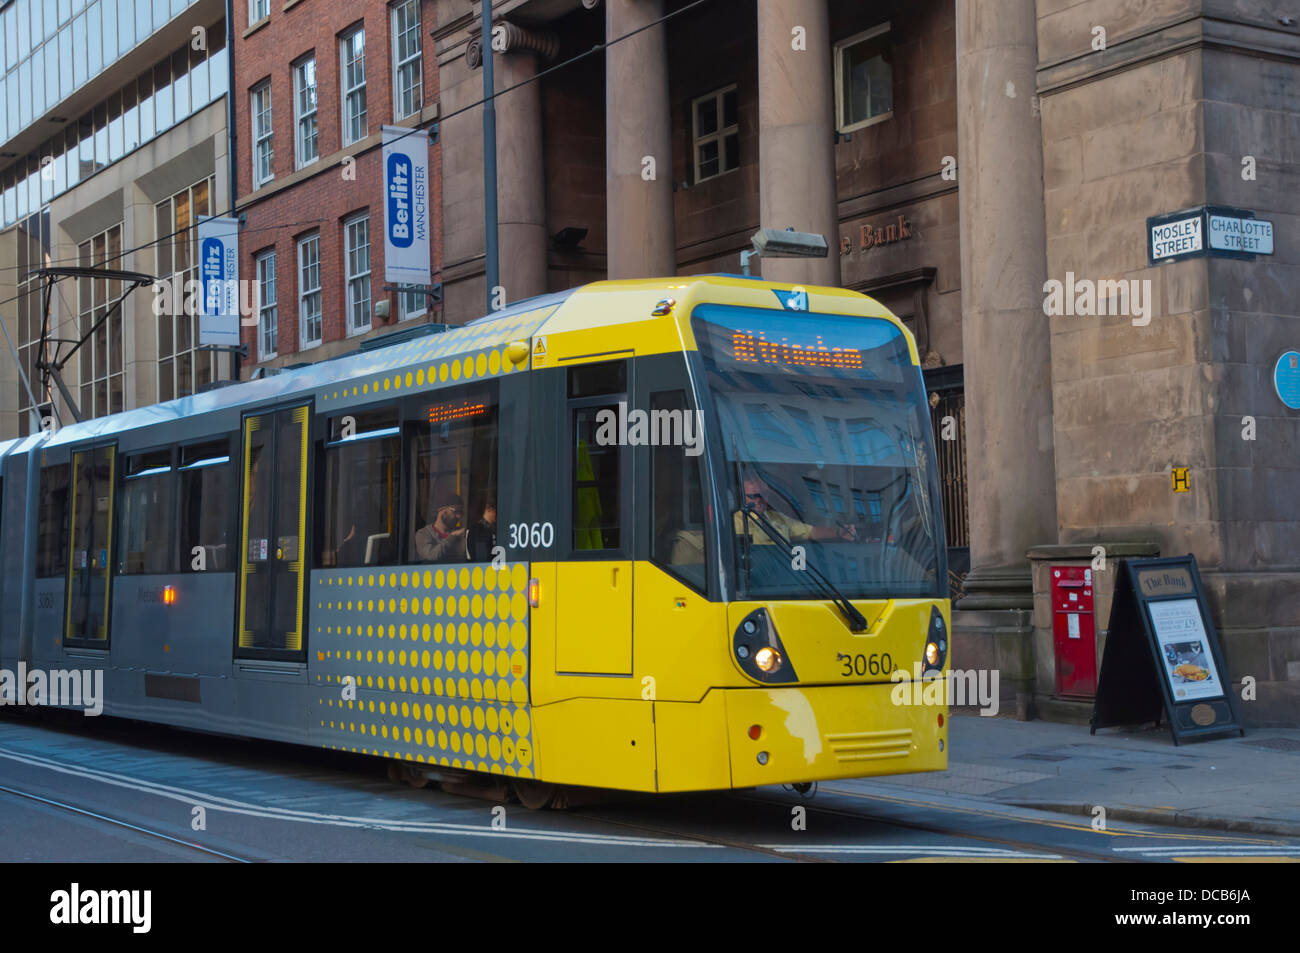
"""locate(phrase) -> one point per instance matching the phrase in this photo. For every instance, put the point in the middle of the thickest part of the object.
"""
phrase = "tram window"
(205, 476)
(92, 507)
(597, 502)
(52, 524)
(593, 380)
(146, 514)
(361, 462)
(678, 495)
(454, 476)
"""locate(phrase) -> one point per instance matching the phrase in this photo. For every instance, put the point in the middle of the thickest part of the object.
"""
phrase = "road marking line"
(232, 806)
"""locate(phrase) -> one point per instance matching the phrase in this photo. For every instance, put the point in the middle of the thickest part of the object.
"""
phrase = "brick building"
(314, 82)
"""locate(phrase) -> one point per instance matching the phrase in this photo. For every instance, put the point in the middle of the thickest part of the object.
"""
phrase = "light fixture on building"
(775, 243)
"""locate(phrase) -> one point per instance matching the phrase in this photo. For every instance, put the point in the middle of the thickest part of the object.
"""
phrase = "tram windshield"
(826, 439)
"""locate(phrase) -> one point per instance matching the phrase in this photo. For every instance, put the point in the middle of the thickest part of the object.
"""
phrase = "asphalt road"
(109, 790)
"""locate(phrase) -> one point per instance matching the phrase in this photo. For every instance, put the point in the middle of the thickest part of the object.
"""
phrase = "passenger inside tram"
(443, 539)
(482, 536)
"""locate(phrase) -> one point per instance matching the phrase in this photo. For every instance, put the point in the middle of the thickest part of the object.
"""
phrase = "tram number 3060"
(872, 664)
(524, 535)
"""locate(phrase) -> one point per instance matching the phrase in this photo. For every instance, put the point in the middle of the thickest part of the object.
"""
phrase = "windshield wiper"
(857, 621)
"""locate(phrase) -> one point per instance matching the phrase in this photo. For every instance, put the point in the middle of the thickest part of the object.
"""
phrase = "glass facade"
(177, 86)
(50, 49)
(183, 368)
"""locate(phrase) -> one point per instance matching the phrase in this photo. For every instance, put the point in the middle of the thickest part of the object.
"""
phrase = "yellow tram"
(651, 535)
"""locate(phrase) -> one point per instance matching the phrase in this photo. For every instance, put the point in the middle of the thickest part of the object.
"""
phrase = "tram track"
(733, 844)
(1002, 842)
(126, 825)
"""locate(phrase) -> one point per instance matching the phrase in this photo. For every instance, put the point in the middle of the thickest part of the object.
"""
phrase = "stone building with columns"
(959, 155)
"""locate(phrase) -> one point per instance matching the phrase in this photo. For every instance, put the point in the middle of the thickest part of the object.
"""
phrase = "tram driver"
(792, 529)
(443, 539)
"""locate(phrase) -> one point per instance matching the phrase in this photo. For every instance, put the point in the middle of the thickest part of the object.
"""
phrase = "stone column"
(1005, 335)
(796, 128)
(521, 182)
(641, 241)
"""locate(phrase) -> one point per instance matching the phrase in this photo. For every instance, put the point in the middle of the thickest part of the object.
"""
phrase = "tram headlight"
(758, 652)
(936, 642)
(768, 659)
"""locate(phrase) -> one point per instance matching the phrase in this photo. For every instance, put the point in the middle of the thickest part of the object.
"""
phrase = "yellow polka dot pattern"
(464, 353)
(439, 658)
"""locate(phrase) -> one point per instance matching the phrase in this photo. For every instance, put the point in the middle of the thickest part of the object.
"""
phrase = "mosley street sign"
(219, 276)
(406, 205)
(1174, 237)
(1214, 230)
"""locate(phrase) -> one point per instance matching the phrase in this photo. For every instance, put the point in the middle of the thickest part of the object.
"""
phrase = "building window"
(33, 242)
(309, 319)
(101, 357)
(304, 111)
(358, 262)
(258, 10)
(263, 150)
(864, 79)
(183, 369)
(715, 133)
(411, 304)
(408, 73)
(352, 71)
(267, 323)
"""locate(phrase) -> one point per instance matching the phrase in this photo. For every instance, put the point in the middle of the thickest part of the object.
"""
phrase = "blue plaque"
(1286, 379)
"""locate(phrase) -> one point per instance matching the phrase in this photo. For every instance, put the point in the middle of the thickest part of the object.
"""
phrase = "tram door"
(90, 547)
(594, 613)
(273, 510)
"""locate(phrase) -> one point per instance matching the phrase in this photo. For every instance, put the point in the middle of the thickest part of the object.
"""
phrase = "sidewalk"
(1249, 784)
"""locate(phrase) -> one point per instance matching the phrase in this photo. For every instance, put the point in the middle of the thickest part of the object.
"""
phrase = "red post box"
(1073, 632)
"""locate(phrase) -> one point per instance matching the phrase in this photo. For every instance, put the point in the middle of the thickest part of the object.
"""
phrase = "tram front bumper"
(833, 731)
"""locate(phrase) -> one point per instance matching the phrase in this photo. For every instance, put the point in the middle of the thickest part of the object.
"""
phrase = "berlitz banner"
(219, 275)
(406, 205)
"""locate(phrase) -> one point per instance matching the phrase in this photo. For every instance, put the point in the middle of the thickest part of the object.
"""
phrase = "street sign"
(1233, 233)
(1173, 237)
(1214, 230)
(219, 276)
(1162, 653)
